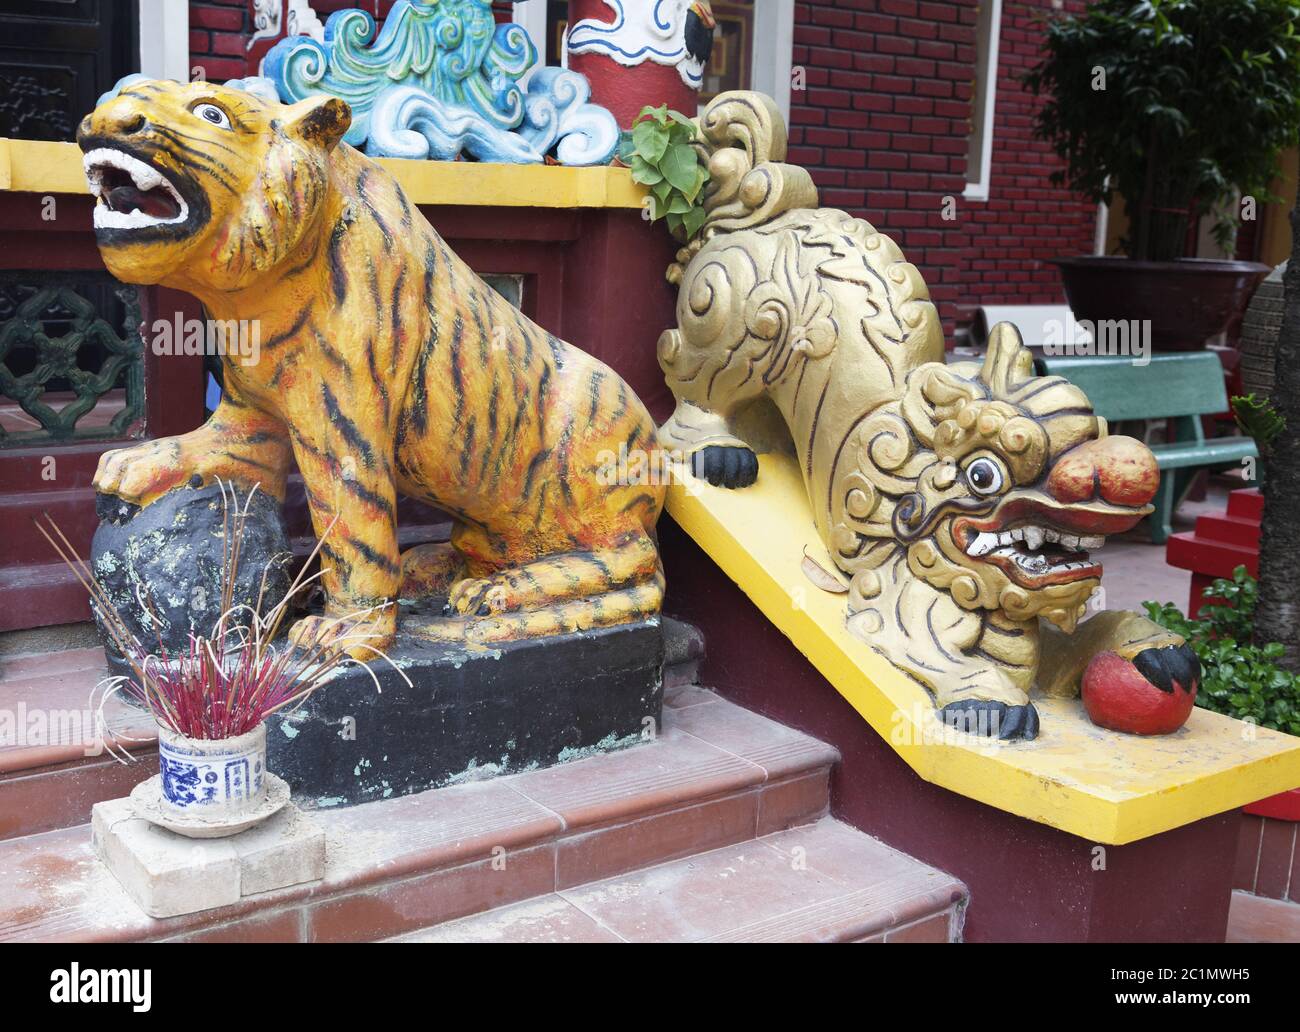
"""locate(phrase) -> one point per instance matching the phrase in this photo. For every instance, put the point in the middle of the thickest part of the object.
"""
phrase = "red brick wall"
(219, 31)
(883, 126)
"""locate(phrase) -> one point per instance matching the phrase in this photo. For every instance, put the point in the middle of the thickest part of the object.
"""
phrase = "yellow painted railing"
(1100, 785)
(54, 168)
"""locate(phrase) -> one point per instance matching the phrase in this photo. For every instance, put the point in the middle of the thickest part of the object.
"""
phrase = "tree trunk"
(1277, 617)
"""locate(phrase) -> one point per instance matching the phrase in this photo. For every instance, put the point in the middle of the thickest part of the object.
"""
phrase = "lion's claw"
(993, 719)
(725, 466)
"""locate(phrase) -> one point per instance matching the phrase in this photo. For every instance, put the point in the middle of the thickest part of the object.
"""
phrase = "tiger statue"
(960, 503)
(386, 366)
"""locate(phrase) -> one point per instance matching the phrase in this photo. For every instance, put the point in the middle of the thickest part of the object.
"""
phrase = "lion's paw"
(992, 719)
(725, 466)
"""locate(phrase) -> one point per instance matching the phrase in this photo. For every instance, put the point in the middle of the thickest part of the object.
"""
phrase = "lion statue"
(962, 503)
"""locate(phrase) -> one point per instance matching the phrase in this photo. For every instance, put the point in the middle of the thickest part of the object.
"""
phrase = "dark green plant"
(1259, 419)
(659, 151)
(1237, 677)
(1174, 104)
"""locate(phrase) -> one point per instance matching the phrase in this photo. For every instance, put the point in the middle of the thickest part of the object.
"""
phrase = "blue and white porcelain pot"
(213, 779)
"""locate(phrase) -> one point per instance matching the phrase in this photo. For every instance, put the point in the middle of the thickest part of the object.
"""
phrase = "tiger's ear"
(321, 120)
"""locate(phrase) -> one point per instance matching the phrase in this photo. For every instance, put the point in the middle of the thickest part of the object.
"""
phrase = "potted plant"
(1175, 105)
(211, 701)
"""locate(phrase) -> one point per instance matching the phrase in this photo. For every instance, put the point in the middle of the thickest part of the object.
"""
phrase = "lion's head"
(997, 483)
(200, 185)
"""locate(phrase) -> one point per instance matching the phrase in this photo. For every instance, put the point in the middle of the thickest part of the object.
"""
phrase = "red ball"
(1117, 696)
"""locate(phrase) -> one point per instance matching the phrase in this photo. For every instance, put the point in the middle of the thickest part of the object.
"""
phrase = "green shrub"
(1238, 677)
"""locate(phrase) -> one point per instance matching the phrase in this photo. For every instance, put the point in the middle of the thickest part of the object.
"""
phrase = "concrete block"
(287, 849)
(165, 873)
(169, 875)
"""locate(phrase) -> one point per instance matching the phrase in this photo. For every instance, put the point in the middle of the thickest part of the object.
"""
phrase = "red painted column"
(626, 89)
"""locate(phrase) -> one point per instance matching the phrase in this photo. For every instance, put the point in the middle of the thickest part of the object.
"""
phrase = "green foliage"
(1174, 104)
(1238, 678)
(1258, 418)
(659, 152)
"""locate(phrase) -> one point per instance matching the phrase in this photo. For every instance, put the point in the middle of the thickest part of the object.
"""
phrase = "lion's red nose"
(1118, 470)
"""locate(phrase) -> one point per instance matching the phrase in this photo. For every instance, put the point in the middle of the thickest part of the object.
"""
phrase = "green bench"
(1180, 387)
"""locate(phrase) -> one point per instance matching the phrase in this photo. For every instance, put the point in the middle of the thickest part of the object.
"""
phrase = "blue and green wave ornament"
(440, 79)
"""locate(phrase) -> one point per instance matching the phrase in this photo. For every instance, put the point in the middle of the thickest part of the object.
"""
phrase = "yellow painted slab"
(1103, 786)
(36, 166)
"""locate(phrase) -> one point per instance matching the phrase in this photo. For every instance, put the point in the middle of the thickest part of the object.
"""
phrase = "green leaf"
(694, 220)
(678, 167)
(650, 140)
(644, 172)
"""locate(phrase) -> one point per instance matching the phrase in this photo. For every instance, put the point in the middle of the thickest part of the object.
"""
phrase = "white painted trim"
(165, 39)
(532, 16)
(773, 51)
(978, 189)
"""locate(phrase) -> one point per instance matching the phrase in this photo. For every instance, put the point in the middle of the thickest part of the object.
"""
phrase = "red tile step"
(53, 764)
(823, 882)
(716, 776)
(1260, 919)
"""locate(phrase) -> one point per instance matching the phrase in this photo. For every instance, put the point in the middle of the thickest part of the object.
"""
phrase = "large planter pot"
(210, 788)
(1184, 303)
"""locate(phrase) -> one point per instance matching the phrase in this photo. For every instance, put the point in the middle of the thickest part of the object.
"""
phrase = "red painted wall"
(883, 126)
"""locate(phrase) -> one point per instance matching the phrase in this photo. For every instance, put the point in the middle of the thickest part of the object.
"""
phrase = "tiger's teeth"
(1034, 537)
(983, 544)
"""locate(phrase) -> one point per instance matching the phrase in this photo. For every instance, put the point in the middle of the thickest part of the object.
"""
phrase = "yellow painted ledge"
(1100, 785)
(38, 167)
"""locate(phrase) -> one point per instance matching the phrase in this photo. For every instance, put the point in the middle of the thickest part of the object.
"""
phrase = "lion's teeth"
(1070, 541)
(1034, 537)
(1050, 535)
(1092, 543)
(1005, 538)
(983, 544)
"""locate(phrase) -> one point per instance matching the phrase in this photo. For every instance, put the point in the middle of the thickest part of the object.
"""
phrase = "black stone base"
(470, 714)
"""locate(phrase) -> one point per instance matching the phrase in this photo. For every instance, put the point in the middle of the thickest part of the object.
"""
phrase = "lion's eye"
(212, 113)
(984, 476)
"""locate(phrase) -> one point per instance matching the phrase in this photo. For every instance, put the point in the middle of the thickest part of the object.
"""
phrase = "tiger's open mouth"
(130, 194)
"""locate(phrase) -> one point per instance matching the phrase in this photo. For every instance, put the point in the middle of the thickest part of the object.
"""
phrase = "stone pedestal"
(469, 712)
(169, 875)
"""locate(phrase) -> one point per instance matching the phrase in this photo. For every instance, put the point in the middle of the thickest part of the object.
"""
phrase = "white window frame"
(772, 59)
(165, 39)
(977, 189)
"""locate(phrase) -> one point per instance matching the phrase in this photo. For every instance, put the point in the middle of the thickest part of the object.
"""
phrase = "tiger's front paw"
(142, 473)
(479, 597)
